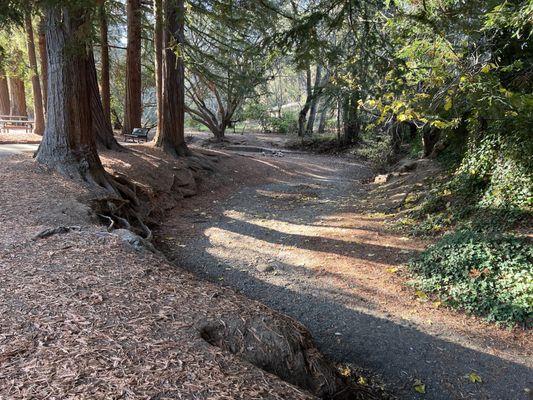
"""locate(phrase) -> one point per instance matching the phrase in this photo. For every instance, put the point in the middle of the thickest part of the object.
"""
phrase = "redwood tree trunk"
(158, 39)
(102, 129)
(38, 110)
(4, 94)
(133, 105)
(43, 63)
(172, 136)
(68, 145)
(105, 90)
(17, 97)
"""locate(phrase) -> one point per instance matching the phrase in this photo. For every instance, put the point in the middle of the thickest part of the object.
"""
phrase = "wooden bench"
(6, 124)
(137, 134)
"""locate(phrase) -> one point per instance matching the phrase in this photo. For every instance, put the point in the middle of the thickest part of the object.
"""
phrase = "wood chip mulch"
(84, 316)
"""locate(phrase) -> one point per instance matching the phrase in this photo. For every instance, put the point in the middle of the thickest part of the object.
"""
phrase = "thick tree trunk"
(4, 94)
(68, 145)
(102, 129)
(314, 102)
(17, 97)
(105, 91)
(38, 109)
(43, 64)
(158, 45)
(133, 104)
(171, 138)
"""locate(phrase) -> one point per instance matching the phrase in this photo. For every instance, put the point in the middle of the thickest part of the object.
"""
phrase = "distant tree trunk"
(314, 102)
(133, 103)
(68, 145)
(350, 119)
(430, 137)
(323, 117)
(105, 91)
(5, 105)
(302, 116)
(17, 97)
(158, 45)
(43, 63)
(339, 107)
(172, 135)
(102, 129)
(38, 109)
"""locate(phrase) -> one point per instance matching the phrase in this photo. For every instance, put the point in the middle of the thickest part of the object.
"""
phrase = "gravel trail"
(304, 245)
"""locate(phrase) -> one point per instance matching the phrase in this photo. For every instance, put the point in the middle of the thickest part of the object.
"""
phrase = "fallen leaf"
(474, 378)
(362, 381)
(345, 371)
(421, 295)
(419, 386)
(392, 270)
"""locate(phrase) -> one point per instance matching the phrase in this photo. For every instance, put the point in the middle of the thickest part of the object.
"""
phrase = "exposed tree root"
(55, 231)
(285, 348)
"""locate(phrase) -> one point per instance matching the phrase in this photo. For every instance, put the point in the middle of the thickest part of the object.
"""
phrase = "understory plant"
(490, 275)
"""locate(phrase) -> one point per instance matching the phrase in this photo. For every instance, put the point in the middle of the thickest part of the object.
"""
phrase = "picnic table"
(8, 122)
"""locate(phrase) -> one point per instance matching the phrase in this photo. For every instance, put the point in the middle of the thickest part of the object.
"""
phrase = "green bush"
(288, 123)
(486, 275)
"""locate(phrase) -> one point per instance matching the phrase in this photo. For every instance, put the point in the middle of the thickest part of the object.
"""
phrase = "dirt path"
(304, 243)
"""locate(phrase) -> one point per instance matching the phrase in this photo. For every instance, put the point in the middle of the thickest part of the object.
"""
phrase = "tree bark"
(101, 124)
(5, 105)
(68, 145)
(158, 39)
(17, 97)
(133, 104)
(43, 63)
(38, 110)
(105, 91)
(323, 117)
(302, 116)
(314, 102)
(351, 121)
(172, 135)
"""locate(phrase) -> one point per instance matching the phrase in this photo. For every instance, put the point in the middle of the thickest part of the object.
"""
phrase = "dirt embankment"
(91, 314)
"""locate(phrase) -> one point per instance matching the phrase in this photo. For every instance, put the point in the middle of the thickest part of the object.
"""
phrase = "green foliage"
(486, 275)
(286, 124)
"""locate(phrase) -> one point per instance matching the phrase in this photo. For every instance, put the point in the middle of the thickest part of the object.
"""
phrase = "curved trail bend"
(305, 242)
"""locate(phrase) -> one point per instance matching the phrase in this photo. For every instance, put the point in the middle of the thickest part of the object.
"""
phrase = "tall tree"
(314, 101)
(302, 115)
(68, 144)
(171, 137)
(101, 124)
(38, 110)
(105, 90)
(4, 94)
(228, 60)
(17, 96)
(43, 63)
(158, 45)
(133, 101)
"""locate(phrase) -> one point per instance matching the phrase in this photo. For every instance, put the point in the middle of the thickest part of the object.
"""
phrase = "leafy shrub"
(491, 276)
(288, 123)
(257, 112)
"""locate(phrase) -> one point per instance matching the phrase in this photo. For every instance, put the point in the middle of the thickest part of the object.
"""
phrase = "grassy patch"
(490, 275)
